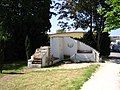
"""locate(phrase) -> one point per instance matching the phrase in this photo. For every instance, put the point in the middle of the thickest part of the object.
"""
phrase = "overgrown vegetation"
(61, 79)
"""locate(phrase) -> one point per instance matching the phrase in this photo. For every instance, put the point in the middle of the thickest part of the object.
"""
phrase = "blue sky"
(115, 32)
(54, 27)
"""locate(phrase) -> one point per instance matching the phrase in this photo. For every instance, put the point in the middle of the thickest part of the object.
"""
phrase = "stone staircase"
(39, 58)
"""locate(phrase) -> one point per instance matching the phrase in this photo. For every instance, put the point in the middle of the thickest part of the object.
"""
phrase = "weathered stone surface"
(37, 54)
(39, 58)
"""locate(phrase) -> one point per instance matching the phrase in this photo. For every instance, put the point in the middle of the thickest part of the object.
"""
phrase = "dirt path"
(66, 66)
(74, 65)
(106, 78)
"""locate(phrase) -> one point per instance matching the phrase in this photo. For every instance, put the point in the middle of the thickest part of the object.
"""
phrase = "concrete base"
(30, 65)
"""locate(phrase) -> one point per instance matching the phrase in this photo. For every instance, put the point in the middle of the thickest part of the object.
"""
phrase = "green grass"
(12, 68)
(57, 79)
(78, 82)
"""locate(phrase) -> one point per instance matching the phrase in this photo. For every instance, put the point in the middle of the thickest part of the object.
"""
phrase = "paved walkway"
(106, 78)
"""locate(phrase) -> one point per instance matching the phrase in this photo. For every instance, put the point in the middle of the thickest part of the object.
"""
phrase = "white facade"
(70, 46)
(61, 45)
(57, 47)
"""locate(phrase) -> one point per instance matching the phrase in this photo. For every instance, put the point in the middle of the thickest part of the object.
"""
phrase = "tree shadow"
(13, 73)
(13, 66)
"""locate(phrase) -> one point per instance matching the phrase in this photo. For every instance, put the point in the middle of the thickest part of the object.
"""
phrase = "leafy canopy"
(113, 16)
(84, 14)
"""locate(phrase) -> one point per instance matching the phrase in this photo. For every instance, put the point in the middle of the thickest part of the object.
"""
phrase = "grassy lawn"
(57, 79)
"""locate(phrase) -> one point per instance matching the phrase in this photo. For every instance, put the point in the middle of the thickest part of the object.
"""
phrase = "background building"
(114, 38)
(69, 34)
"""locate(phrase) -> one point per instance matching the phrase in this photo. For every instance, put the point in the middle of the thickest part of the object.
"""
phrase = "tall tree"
(85, 14)
(25, 17)
(3, 39)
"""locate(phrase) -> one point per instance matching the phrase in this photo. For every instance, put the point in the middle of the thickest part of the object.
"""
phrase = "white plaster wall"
(54, 47)
(83, 57)
(56, 44)
(94, 56)
(61, 46)
(70, 46)
(82, 46)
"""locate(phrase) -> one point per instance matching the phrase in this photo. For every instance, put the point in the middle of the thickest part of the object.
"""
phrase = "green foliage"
(105, 44)
(84, 14)
(24, 18)
(3, 39)
(60, 31)
(16, 66)
(113, 16)
(89, 38)
(13, 68)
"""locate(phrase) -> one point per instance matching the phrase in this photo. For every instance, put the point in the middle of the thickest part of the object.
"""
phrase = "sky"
(55, 27)
(115, 32)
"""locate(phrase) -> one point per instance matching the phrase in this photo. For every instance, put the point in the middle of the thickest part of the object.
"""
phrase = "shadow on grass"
(14, 66)
(12, 73)
(55, 65)
(67, 62)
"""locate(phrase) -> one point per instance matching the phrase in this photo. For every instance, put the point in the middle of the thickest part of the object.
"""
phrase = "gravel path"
(106, 78)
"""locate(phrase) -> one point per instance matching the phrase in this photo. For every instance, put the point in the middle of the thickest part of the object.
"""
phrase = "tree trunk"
(98, 41)
(28, 47)
(91, 21)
